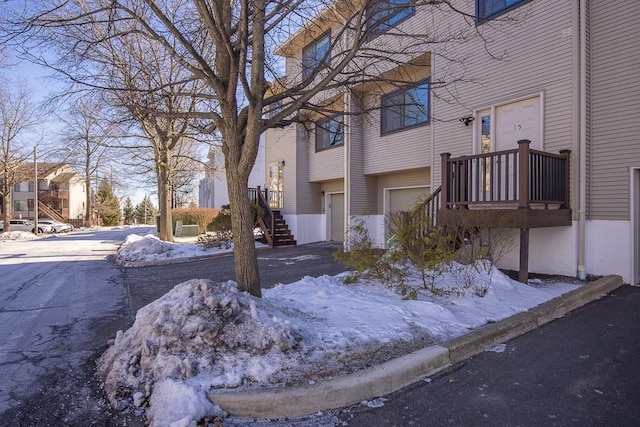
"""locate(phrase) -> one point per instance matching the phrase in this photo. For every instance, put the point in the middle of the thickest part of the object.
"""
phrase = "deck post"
(524, 174)
(523, 274)
(567, 177)
(445, 176)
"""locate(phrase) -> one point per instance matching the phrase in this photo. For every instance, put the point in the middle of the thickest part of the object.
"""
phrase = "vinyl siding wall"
(615, 106)
(539, 59)
(363, 188)
(402, 150)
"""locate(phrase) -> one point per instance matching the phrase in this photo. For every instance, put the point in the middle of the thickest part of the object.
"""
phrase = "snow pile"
(149, 248)
(199, 326)
(17, 235)
(204, 335)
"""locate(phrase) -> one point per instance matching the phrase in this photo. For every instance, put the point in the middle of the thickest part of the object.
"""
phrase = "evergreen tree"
(128, 211)
(107, 205)
(145, 212)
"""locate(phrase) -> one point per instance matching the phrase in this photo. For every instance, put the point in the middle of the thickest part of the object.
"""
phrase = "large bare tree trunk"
(165, 232)
(244, 250)
(239, 160)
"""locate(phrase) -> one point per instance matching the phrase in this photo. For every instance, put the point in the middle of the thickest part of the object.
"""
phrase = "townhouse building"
(555, 75)
(61, 194)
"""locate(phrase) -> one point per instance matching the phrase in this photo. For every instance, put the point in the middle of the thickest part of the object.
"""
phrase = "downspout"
(582, 151)
(347, 167)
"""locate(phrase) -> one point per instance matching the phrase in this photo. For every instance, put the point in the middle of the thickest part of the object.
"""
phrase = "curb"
(296, 401)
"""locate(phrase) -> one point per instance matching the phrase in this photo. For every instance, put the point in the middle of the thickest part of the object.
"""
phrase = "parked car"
(26, 225)
(56, 226)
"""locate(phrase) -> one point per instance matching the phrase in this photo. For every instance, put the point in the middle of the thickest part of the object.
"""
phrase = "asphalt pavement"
(286, 264)
(579, 370)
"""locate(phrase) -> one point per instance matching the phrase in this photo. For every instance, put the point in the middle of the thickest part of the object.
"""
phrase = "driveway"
(285, 264)
(580, 370)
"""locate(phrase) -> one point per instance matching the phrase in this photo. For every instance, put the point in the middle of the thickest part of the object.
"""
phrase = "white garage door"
(404, 199)
(336, 216)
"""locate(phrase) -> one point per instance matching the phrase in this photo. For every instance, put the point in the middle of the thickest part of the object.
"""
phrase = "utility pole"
(35, 190)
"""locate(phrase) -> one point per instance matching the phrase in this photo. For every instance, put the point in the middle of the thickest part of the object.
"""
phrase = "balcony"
(524, 188)
(521, 188)
(48, 196)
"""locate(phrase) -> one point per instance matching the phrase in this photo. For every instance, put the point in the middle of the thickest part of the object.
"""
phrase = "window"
(329, 133)
(316, 55)
(274, 109)
(405, 108)
(23, 187)
(488, 9)
(386, 14)
(20, 205)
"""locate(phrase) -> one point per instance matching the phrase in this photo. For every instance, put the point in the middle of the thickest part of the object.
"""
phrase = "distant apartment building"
(212, 190)
(61, 194)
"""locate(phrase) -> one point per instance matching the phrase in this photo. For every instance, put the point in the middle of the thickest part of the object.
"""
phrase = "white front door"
(276, 185)
(516, 121)
(499, 128)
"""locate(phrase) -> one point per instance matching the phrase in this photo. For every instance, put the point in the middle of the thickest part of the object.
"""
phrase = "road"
(61, 299)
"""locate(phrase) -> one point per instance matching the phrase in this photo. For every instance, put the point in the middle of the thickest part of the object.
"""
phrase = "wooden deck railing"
(521, 178)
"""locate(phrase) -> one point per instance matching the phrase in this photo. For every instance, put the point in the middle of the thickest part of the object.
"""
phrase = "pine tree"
(107, 205)
(145, 212)
(128, 211)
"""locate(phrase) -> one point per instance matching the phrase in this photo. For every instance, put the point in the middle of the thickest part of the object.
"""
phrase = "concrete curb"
(398, 373)
(135, 264)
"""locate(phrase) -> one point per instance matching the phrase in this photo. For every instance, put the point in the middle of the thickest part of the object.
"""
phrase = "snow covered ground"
(203, 335)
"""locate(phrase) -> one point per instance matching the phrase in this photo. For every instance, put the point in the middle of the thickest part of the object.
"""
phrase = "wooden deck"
(520, 188)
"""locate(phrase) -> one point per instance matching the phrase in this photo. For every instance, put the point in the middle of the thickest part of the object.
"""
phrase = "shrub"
(201, 217)
(220, 226)
(428, 249)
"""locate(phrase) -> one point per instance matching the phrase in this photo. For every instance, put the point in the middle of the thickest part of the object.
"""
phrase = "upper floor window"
(329, 133)
(316, 55)
(488, 9)
(274, 109)
(23, 187)
(405, 108)
(383, 15)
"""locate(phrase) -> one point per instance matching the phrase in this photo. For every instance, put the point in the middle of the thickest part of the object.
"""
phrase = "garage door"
(405, 199)
(336, 216)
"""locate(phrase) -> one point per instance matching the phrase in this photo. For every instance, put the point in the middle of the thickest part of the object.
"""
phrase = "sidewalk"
(399, 373)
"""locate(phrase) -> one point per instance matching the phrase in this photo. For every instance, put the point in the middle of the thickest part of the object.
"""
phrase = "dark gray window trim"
(376, 34)
(306, 71)
(483, 19)
(404, 89)
(326, 120)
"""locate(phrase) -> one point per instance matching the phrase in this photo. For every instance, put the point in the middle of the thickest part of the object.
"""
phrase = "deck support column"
(523, 274)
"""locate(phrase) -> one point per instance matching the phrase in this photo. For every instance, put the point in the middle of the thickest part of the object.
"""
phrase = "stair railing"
(267, 220)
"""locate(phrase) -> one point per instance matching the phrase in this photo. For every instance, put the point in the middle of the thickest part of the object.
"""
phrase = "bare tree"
(17, 119)
(227, 45)
(86, 136)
